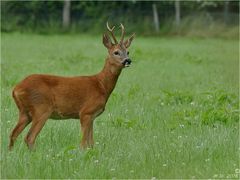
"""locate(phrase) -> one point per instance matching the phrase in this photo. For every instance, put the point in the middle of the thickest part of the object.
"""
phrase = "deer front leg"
(86, 126)
(87, 116)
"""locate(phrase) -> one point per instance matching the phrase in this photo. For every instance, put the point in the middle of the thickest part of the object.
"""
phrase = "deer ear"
(107, 41)
(127, 43)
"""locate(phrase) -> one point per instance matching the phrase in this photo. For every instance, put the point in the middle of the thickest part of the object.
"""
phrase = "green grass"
(173, 114)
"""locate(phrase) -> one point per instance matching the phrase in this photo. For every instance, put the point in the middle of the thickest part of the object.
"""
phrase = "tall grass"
(173, 114)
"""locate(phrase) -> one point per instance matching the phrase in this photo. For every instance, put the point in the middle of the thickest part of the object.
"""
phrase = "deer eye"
(116, 53)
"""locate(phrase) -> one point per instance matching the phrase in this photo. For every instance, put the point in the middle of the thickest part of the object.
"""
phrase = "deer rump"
(64, 97)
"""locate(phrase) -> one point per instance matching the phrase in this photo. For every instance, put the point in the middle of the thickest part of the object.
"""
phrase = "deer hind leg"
(38, 120)
(24, 120)
(91, 141)
(86, 126)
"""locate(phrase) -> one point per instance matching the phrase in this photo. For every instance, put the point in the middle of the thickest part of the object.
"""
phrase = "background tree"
(226, 11)
(155, 17)
(177, 12)
(66, 14)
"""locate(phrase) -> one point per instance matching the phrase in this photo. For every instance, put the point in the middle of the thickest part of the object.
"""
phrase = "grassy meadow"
(173, 114)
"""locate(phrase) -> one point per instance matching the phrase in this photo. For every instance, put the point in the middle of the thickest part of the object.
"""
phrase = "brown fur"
(39, 97)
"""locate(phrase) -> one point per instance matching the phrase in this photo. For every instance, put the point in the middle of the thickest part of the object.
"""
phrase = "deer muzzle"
(127, 62)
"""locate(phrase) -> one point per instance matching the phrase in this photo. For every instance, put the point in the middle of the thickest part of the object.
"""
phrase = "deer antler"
(111, 31)
(123, 32)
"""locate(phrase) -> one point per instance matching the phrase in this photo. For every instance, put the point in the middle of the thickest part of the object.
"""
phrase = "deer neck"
(109, 75)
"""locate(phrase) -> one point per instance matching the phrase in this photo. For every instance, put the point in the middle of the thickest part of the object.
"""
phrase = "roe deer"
(39, 96)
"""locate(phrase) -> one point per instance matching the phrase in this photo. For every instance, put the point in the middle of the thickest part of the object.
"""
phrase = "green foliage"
(199, 18)
(174, 112)
(223, 107)
(210, 109)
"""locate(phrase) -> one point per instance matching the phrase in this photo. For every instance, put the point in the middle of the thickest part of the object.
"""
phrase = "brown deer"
(39, 96)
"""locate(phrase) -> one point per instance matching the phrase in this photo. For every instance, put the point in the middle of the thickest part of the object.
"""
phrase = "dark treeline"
(145, 17)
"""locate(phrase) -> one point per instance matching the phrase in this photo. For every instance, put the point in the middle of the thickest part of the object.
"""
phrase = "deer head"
(117, 51)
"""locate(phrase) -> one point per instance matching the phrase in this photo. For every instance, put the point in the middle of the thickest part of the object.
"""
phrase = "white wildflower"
(207, 160)
(237, 171)
(181, 125)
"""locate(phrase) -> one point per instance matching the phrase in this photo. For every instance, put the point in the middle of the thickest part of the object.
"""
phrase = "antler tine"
(111, 31)
(123, 32)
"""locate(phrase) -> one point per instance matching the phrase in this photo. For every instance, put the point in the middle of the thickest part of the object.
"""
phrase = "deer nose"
(127, 61)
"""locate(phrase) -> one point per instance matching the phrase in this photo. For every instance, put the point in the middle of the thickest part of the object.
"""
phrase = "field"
(173, 114)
